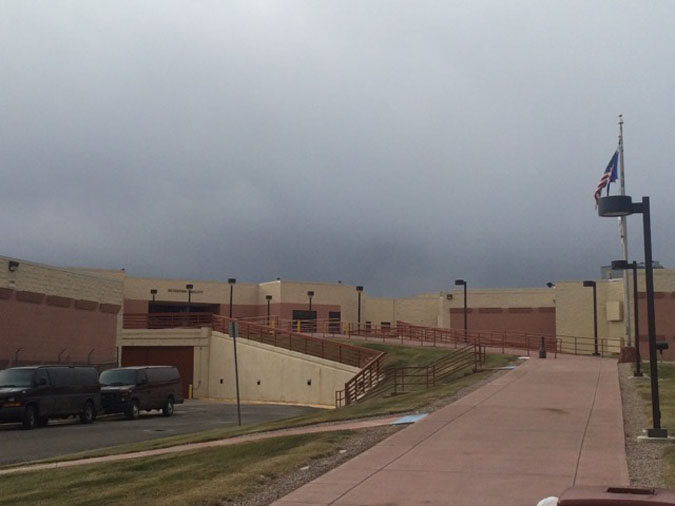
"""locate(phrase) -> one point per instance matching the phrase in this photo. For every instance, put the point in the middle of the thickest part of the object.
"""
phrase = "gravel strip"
(279, 487)
(644, 458)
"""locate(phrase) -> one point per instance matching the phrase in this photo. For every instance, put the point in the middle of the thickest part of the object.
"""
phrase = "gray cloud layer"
(397, 145)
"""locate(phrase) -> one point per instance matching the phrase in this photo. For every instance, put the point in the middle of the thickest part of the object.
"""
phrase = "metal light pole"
(231, 282)
(310, 294)
(233, 330)
(623, 265)
(622, 205)
(189, 288)
(153, 292)
(595, 316)
(461, 282)
(269, 298)
(359, 289)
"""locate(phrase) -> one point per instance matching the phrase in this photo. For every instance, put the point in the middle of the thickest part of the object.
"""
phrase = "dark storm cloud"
(390, 144)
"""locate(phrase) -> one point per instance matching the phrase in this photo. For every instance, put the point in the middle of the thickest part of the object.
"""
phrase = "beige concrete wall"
(377, 310)
(199, 339)
(425, 309)
(34, 277)
(272, 288)
(525, 297)
(173, 290)
(337, 294)
(269, 374)
(574, 310)
(418, 310)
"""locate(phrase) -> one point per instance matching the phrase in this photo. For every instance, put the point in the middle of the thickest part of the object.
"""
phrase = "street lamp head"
(620, 265)
(459, 282)
(231, 281)
(189, 286)
(614, 206)
(359, 288)
(310, 293)
(153, 291)
(268, 297)
(588, 284)
(550, 284)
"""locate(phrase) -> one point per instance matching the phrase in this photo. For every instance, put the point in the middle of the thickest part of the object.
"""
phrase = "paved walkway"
(529, 434)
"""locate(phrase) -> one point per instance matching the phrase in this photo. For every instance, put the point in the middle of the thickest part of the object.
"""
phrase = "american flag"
(609, 176)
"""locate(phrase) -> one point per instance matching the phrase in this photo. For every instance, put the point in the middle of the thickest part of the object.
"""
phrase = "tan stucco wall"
(341, 295)
(283, 374)
(377, 310)
(34, 277)
(525, 297)
(211, 292)
(574, 311)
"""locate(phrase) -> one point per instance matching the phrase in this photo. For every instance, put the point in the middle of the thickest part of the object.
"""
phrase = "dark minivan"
(129, 390)
(33, 395)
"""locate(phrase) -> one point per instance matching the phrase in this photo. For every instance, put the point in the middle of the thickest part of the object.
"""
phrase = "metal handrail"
(407, 378)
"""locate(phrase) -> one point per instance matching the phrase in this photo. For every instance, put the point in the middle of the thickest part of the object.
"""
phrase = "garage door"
(180, 357)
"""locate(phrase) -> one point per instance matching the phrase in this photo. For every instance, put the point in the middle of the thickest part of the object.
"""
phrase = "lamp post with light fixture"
(614, 206)
(589, 284)
(310, 294)
(231, 282)
(461, 282)
(268, 298)
(359, 290)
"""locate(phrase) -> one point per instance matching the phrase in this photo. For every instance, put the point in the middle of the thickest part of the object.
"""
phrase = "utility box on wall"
(614, 311)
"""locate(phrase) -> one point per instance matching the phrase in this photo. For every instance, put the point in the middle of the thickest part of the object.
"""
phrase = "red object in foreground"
(617, 496)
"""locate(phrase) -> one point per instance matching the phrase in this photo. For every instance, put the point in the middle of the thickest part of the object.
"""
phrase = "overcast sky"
(398, 145)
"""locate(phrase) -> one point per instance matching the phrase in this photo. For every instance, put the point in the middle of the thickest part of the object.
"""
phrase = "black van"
(129, 390)
(33, 395)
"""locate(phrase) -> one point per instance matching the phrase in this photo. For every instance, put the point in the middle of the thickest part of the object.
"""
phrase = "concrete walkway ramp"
(531, 433)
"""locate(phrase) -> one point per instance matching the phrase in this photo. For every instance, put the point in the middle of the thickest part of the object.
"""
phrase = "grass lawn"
(201, 477)
(667, 402)
(376, 406)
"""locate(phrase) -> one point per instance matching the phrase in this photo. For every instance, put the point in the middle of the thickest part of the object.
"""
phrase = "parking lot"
(62, 437)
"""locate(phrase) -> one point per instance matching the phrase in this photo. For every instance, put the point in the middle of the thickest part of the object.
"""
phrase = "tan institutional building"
(76, 315)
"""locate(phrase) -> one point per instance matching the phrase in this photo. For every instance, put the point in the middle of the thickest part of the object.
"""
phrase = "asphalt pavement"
(62, 437)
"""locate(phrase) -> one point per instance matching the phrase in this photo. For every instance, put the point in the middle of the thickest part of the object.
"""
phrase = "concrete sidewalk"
(529, 434)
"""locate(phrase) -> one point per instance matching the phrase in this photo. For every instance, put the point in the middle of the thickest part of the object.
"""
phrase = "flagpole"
(623, 232)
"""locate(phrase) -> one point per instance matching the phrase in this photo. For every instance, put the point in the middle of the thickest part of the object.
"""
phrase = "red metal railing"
(406, 379)
(364, 381)
(334, 351)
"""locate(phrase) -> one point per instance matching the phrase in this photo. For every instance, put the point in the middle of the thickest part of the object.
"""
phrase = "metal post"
(638, 358)
(231, 282)
(592, 284)
(595, 321)
(359, 289)
(466, 324)
(269, 298)
(656, 431)
(234, 331)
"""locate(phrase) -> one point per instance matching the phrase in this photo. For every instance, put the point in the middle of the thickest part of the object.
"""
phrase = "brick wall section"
(43, 329)
(536, 320)
(664, 310)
